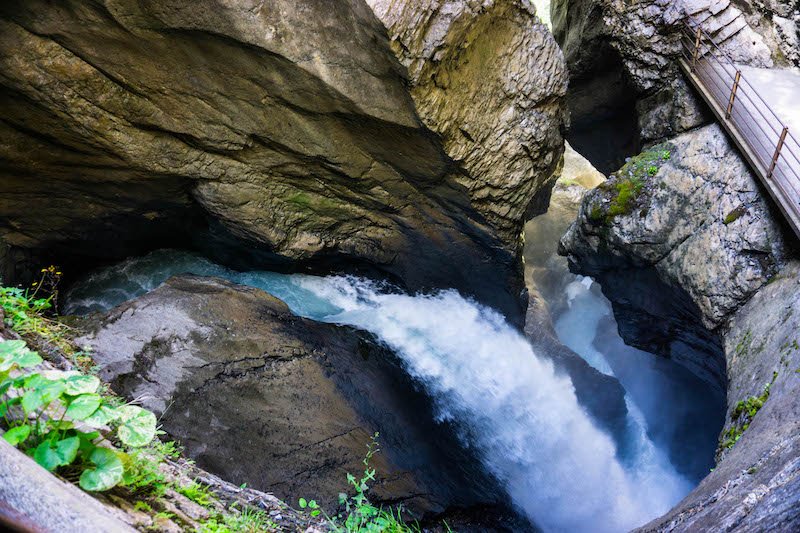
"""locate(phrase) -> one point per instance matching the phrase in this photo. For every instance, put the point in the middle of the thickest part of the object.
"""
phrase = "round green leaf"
(107, 472)
(80, 384)
(83, 406)
(137, 426)
(32, 400)
(16, 353)
(41, 391)
(18, 434)
(52, 454)
(102, 417)
(67, 449)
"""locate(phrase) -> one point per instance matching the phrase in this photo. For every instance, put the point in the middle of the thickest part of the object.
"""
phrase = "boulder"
(287, 405)
(275, 134)
(489, 78)
(700, 268)
(33, 499)
(680, 238)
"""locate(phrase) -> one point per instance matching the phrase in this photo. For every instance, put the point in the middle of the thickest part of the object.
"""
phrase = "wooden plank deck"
(754, 127)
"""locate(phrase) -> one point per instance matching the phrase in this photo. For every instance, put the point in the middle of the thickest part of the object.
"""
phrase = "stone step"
(724, 18)
(730, 30)
(719, 5)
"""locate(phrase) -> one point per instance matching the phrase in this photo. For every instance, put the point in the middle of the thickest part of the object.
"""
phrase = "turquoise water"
(107, 288)
(516, 411)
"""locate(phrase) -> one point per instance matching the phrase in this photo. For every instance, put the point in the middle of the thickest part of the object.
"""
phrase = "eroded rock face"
(756, 484)
(680, 239)
(699, 268)
(280, 129)
(287, 405)
(778, 22)
(622, 63)
(488, 77)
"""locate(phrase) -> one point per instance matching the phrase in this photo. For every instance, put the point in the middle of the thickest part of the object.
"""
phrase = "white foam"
(525, 420)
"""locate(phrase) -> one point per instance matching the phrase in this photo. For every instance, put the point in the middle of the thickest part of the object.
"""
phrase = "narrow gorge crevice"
(525, 265)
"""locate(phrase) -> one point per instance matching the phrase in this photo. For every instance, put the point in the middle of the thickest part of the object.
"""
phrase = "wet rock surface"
(679, 243)
(278, 134)
(756, 484)
(287, 405)
(489, 78)
(699, 268)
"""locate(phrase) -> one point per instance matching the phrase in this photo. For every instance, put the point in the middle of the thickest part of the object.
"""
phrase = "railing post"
(696, 47)
(733, 93)
(777, 152)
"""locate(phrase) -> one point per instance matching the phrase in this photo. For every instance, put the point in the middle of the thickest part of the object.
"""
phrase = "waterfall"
(557, 467)
(522, 417)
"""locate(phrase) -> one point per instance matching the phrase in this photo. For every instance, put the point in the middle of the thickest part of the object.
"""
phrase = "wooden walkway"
(764, 140)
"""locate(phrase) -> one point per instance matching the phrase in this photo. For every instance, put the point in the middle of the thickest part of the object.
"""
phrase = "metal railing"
(773, 150)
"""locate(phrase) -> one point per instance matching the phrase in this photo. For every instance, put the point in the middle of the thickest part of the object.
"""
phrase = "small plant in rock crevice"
(30, 315)
(359, 515)
(742, 416)
(196, 492)
(246, 521)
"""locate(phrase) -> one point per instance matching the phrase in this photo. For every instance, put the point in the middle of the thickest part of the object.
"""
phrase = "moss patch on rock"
(629, 182)
(734, 215)
(742, 415)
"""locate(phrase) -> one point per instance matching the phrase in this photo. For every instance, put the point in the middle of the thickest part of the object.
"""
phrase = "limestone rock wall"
(621, 56)
(488, 77)
(756, 484)
(690, 218)
(281, 133)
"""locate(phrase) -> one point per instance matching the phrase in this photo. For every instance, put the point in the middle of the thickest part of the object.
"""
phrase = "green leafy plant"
(196, 492)
(247, 521)
(53, 416)
(312, 506)
(27, 313)
(142, 474)
(359, 515)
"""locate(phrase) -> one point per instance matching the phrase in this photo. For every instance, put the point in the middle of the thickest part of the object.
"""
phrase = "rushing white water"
(557, 466)
(524, 419)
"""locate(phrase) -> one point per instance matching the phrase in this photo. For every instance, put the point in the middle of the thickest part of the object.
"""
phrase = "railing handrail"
(763, 138)
(697, 26)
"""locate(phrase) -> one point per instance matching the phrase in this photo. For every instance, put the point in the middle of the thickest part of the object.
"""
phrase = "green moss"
(734, 215)
(318, 204)
(630, 182)
(742, 415)
(300, 198)
(743, 348)
(627, 191)
(597, 213)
